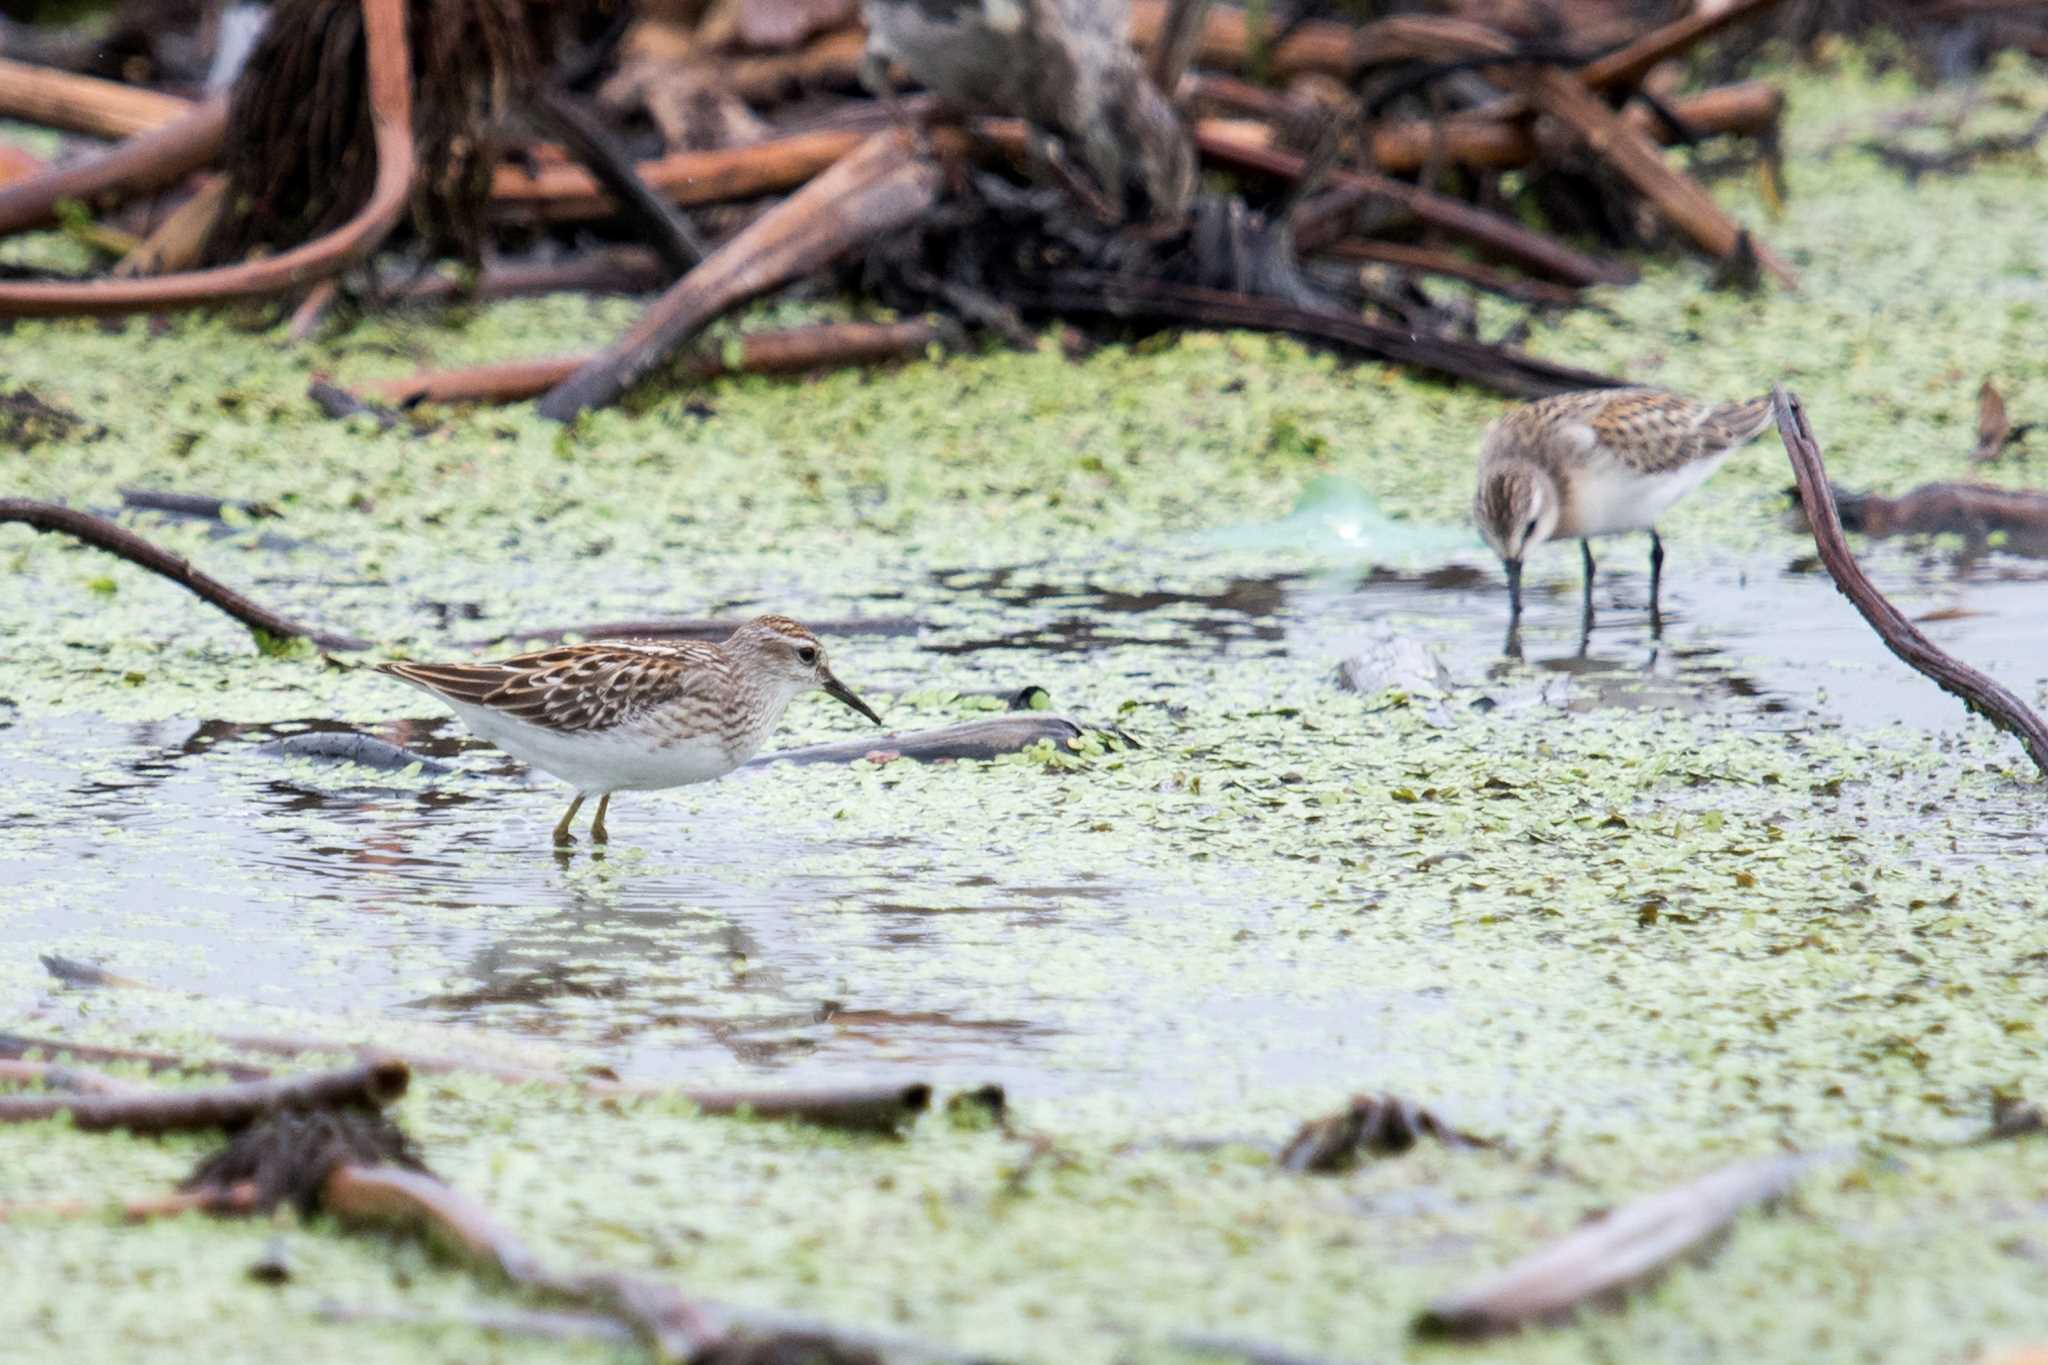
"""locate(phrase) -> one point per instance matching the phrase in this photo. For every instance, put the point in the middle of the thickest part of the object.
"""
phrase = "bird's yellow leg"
(597, 833)
(563, 838)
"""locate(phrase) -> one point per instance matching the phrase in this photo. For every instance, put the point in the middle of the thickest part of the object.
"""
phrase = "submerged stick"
(390, 88)
(1621, 1250)
(1978, 692)
(372, 1084)
(102, 534)
(880, 186)
(791, 351)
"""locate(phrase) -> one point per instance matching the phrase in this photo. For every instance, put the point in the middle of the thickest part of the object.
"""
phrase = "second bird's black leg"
(1656, 583)
(1586, 607)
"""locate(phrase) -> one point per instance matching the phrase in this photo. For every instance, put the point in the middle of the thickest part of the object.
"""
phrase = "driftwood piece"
(880, 186)
(1979, 693)
(980, 739)
(82, 104)
(792, 351)
(147, 161)
(365, 751)
(390, 86)
(1975, 510)
(102, 534)
(371, 1084)
(1621, 1250)
(566, 193)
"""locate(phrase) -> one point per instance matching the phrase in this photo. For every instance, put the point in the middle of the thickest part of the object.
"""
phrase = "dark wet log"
(882, 1109)
(365, 751)
(83, 104)
(372, 1084)
(1981, 694)
(1129, 296)
(1502, 236)
(1429, 261)
(72, 972)
(797, 350)
(102, 534)
(879, 187)
(1622, 1250)
(866, 1109)
(150, 160)
(1371, 1125)
(15, 1045)
(1975, 510)
(985, 738)
(593, 144)
(390, 86)
(202, 506)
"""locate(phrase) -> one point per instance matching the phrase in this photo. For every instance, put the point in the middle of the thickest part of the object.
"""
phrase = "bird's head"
(785, 652)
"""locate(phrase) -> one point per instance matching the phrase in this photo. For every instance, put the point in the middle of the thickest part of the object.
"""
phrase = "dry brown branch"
(1677, 196)
(880, 186)
(1625, 1248)
(863, 1109)
(390, 84)
(83, 104)
(374, 1084)
(794, 351)
(179, 242)
(1489, 143)
(1502, 236)
(1974, 510)
(565, 193)
(76, 1080)
(102, 534)
(1981, 694)
(1632, 63)
(147, 161)
(658, 221)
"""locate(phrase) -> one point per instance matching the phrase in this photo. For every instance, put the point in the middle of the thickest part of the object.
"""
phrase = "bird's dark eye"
(807, 655)
(1531, 528)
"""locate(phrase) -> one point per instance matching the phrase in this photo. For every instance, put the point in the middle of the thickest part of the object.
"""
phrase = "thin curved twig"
(1981, 694)
(102, 534)
(390, 83)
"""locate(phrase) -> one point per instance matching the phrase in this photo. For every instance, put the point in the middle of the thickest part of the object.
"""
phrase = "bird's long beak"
(840, 691)
(1514, 568)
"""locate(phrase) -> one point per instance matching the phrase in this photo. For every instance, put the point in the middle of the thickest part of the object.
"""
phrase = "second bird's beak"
(840, 691)
(1514, 568)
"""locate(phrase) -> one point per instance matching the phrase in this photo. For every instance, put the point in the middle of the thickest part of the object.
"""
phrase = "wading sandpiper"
(1596, 463)
(636, 715)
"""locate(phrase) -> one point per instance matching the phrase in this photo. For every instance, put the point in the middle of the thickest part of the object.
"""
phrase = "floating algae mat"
(1633, 913)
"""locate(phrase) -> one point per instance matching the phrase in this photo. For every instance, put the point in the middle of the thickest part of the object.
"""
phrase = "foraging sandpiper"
(1596, 463)
(636, 715)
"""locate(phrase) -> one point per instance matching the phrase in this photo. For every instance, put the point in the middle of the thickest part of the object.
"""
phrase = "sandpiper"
(1596, 463)
(632, 715)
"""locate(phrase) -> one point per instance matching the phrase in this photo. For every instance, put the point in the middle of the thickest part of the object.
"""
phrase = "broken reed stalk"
(1979, 693)
(390, 87)
(372, 1084)
(881, 186)
(1503, 236)
(1621, 1250)
(82, 104)
(102, 534)
(593, 144)
(147, 161)
(792, 351)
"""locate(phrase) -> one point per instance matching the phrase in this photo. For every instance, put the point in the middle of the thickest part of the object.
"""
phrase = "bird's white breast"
(1608, 496)
(625, 758)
